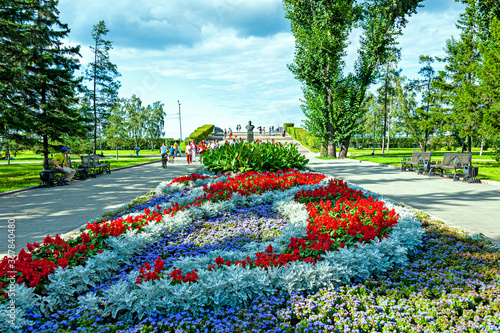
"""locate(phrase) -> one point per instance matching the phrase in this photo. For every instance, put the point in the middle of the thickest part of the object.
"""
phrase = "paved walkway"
(38, 212)
(62, 209)
(472, 207)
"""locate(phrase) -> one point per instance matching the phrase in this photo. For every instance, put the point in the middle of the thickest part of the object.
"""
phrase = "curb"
(39, 186)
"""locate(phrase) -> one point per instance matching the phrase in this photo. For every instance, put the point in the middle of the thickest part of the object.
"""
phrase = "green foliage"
(253, 156)
(490, 77)
(287, 125)
(102, 75)
(334, 101)
(200, 134)
(37, 84)
(305, 138)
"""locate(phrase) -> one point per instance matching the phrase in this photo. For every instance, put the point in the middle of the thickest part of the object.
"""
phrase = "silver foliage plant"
(230, 286)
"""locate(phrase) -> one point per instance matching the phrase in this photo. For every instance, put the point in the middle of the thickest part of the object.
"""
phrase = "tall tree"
(321, 29)
(490, 82)
(428, 115)
(116, 131)
(135, 118)
(102, 74)
(41, 96)
(155, 121)
(463, 63)
(388, 75)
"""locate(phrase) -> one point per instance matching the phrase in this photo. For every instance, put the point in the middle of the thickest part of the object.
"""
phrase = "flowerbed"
(228, 253)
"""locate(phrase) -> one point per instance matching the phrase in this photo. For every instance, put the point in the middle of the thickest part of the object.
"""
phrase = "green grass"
(28, 155)
(21, 175)
(488, 170)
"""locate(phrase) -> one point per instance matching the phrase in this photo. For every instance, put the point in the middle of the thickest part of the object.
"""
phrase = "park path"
(58, 210)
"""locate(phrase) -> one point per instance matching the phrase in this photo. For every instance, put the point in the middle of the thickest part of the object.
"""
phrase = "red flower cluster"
(251, 182)
(336, 189)
(351, 221)
(148, 273)
(186, 179)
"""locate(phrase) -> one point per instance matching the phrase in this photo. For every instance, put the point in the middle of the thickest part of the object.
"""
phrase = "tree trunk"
(332, 149)
(469, 144)
(344, 147)
(385, 107)
(116, 150)
(482, 145)
(324, 150)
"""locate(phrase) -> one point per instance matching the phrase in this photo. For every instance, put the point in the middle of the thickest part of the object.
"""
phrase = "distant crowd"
(261, 129)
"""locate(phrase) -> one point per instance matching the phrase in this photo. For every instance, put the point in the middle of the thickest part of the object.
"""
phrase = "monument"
(249, 128)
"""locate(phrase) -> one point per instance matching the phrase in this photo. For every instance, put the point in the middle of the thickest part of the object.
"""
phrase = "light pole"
(180, 124)
(374, 121)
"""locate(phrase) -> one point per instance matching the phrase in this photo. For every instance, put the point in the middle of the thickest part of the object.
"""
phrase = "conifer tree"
(42, 93)
(102, 75)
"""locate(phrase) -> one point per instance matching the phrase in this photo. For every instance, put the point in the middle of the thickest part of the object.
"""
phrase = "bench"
(50, 176)
(452, 162)
(94, 166)
(417, 159)
(81, 171)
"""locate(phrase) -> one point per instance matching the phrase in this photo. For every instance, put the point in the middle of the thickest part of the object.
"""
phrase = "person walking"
(193, 151)
(189, 156)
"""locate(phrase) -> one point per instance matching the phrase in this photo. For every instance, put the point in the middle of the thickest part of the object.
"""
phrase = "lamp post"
(374, 121)
(180, 124)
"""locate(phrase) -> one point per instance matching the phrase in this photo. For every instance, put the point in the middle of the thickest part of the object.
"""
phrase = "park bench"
(94, 166)
(50, 176)
(452, 162)
(81, 171)
(418, 159)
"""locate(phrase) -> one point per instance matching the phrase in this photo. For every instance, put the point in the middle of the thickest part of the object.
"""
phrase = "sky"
(224, 61)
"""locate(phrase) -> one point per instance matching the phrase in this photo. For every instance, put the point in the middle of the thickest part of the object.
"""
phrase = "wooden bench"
(94, 166)
(452, 162)
(417, 159)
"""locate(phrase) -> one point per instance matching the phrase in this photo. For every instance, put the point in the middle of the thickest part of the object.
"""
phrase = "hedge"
(200, 134)
(306, 139)
(287, 125)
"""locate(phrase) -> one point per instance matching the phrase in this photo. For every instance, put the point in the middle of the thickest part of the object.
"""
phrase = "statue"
(250, 128)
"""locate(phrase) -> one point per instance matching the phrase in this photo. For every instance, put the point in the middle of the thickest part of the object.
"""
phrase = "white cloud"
(225, 60)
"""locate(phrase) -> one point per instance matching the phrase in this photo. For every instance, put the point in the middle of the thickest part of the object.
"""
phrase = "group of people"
(192, 149)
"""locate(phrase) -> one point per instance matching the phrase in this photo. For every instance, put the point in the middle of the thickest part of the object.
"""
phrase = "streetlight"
(180, 125)
(374, 121)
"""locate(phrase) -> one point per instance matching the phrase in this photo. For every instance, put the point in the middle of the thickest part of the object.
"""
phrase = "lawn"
(20, 175)
(488, 168)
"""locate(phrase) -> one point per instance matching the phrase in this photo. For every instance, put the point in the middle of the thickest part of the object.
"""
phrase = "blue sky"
(225, 60)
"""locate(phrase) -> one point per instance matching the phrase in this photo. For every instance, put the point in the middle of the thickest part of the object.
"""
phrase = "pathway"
(62, 209)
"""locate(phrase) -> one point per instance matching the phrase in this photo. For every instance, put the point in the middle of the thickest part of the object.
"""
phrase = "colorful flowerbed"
(278, 251)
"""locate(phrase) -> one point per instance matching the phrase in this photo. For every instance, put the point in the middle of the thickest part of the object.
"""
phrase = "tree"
(154, 123)
(116, 131)
(490, 82)
(386, 92)
(321, 29)
(41, 95)
(103, 74)
(463, 63)
(428, 115)
(135, 118)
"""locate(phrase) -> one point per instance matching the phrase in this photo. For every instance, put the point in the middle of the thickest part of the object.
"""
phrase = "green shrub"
(254, 156)
(306, 139)
(200, 134)
(287, 125)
